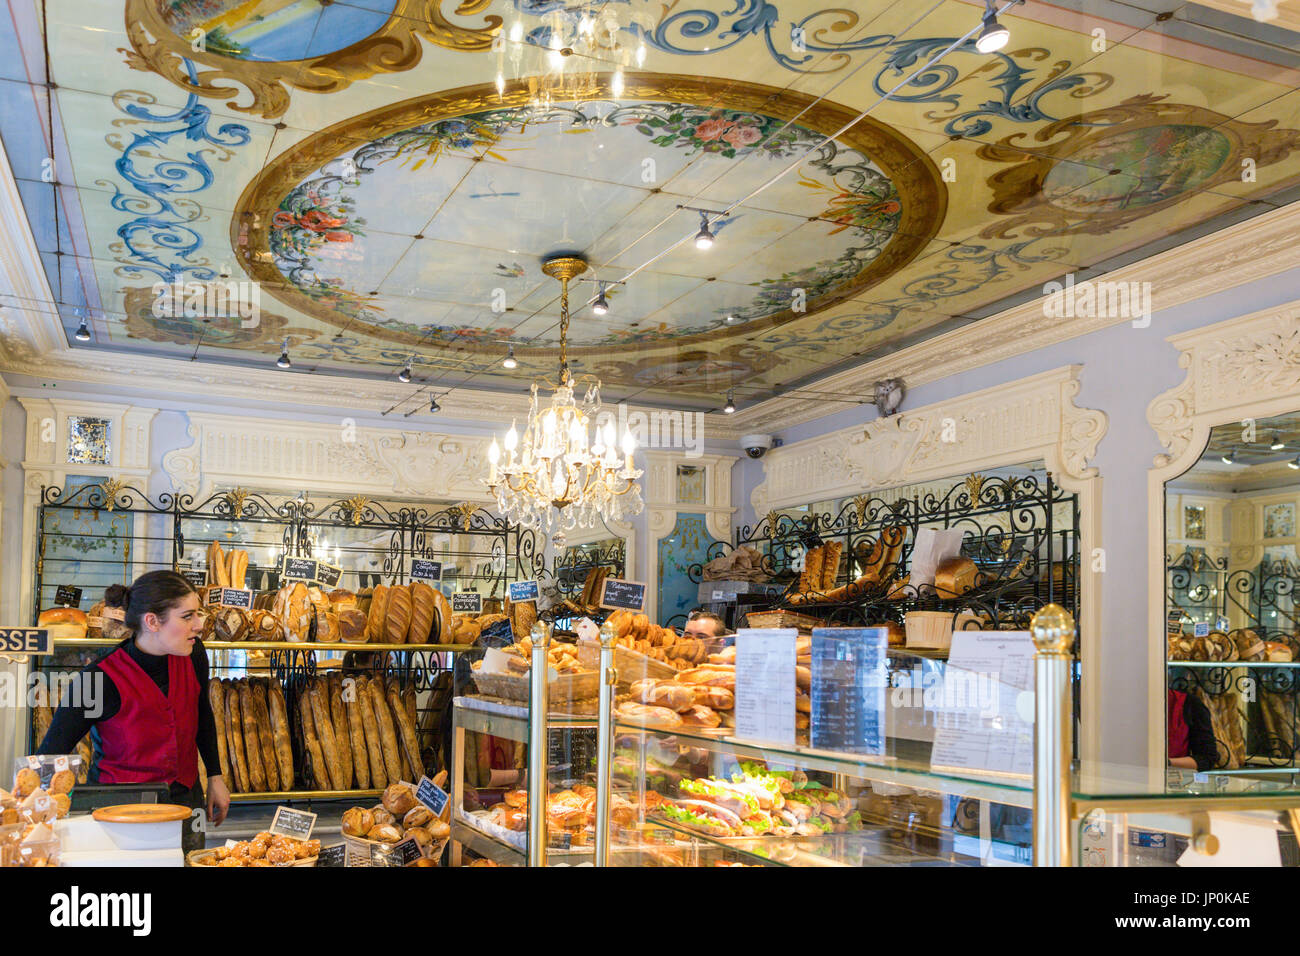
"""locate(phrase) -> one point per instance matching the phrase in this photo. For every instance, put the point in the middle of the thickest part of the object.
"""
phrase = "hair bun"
(117, 595)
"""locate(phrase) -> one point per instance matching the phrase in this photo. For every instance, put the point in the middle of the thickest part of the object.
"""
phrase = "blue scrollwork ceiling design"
(389, 174)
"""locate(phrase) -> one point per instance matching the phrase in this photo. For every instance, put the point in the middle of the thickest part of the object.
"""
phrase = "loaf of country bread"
(423, 614)
(375, 617)
(397, 616)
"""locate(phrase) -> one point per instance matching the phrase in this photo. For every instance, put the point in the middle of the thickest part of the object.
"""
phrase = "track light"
(1230, 458)
(731, 320)
(509, 360)
(994, 36)
(83, 332)
(404, 375)
(601, 305)
(1278, 443)
(283, 360)
(434, 407)
(704, 238)
(730, 407)
(1294, 463)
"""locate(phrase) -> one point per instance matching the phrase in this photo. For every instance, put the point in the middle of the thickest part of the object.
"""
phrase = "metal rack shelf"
(281, 645)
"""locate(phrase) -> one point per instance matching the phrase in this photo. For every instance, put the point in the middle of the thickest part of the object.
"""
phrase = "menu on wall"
(985, 719)
(627, 595)
(765, 684)
(849, 685)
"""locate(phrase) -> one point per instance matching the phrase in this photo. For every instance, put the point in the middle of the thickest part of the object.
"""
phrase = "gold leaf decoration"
(111, 488)
(466, 509)
(236, 498)
(356, 505)
(974, 485)
(860, 506)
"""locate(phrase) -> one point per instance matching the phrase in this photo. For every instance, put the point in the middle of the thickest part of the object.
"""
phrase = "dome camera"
(756, 445)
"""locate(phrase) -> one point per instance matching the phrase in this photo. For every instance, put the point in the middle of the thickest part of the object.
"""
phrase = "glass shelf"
(1210, 664)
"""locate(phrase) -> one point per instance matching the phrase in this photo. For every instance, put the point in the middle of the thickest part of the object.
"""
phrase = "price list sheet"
(986, 713)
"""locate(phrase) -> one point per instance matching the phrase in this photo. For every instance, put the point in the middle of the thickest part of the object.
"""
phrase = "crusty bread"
(397, 616)
(423, 611)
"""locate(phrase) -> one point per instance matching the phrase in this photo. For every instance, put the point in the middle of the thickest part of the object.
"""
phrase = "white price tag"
(61, 762)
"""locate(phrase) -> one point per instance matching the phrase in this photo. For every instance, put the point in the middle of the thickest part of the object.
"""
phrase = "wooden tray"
(142, 813)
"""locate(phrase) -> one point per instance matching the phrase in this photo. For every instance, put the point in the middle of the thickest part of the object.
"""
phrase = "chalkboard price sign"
(431, 795)
(422, 570)
(196, 576)
(524, 591)
(328, 574)
(298, 569)
(231, 597)
(627, 595)
(296, 824)
(396, 854)
(333, 855)
(67, 596)
(467, 602)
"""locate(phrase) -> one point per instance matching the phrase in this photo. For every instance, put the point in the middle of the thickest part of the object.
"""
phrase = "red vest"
(1180, 737)
(152, 738)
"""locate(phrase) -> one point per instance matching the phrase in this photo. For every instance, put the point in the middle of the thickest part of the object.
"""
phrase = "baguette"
(329, 744)
(235, 739)
(423, 612)
(262, 716)
(387, 733)
(406, 733)
(412, 711)
(252, 744)
(279, 715)
(374, 746)
(397, 617)
(238, 568)
(319, 770)
(376, 617)
(217, 700)
(339, 724)
(356, 733)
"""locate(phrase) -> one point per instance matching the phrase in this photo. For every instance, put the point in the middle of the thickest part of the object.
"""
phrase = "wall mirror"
(1231, 570)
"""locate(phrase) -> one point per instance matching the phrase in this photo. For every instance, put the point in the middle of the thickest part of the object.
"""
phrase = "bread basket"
(932, 630)
(783, 618)
(195, 858)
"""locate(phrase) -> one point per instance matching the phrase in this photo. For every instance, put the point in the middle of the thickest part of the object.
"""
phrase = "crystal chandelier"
(565, 471)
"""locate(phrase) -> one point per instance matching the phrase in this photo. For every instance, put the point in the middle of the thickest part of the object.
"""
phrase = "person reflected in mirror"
(1191, 733)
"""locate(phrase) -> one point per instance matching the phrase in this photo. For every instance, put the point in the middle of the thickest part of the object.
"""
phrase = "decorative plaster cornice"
(1018, 422)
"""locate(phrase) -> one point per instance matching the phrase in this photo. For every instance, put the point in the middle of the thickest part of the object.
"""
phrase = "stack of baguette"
(880, 564)
(226, 569)
(358, 733)
(413, 613)
(253, 734)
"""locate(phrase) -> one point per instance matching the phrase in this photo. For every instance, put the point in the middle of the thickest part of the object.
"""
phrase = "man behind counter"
(704, 625)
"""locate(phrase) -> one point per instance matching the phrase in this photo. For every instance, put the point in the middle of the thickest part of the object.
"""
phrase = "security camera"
(756, 445)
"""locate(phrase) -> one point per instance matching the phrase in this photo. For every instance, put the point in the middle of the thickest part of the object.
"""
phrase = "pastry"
(719, 698)
(217, 572)
(327, 627)
(810, 578)
(374, 746)
(280, 733)
(238, 566)
(381, 816)
(232, 624)
(831, 565)
(674, 696)
(648, 715)
(423, 612)
(700, 716)
(398, 799)
(265, 627)
(397, 618)
(385, 833)
(26, 782)
(341, 599)
(417, 816)
(319, 769)
(442, 623)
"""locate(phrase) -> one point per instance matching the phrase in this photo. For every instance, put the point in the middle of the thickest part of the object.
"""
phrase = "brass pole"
(605, 741)
(537, 750)
(1053, 631)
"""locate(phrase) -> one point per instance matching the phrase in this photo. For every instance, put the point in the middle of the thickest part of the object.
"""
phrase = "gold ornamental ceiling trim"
(393, 48)
(908, 167)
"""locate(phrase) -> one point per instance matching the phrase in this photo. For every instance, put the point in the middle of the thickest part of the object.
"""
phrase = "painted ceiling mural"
(390, 174)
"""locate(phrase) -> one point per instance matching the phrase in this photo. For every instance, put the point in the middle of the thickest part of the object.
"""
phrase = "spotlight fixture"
(994, 36)
(1278, 443)
(730, 407)
(509, 360)
(1294, 463)
(404, 375)
(1230, 458)
(434, 407)
(283, 360)
(704, 238)
(731, 320)
(83, 332)
(601, 305)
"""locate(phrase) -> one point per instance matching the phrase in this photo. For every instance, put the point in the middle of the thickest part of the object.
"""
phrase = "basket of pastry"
(265, 849)
(504, 672)
(644, 649)
(758, 802)
(570, 816)
(398, 817)
(702, 698)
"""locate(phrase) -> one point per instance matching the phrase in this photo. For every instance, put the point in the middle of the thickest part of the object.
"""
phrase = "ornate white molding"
(1247, 367)
(1018, 422)
(289, 456)
(1256, 249)
(46, 443)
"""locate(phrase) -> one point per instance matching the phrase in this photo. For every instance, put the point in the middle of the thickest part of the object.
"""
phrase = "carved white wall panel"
(1007, 424)
(324, 457)
(1247, 367)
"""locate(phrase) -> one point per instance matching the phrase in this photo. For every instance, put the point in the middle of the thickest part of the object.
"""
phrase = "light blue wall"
(1123, 370)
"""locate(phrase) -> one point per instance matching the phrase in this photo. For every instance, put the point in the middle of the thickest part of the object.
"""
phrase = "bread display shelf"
(1206, 664)
(290, 795)
(280, 645)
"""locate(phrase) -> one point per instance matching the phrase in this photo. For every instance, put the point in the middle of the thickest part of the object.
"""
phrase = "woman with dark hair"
(145, 702)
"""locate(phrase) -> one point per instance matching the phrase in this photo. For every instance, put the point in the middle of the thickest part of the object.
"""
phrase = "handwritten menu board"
(849, 685)
(231, 597)
(67, 596)
(396, 854)
(296, 824)
(328, 574)
(627, 595)
(765, 684)
(467, 602)
(298, 569)
(431, 795)
(423, 570)
(196, 576)
(523, 591)
(986, 715)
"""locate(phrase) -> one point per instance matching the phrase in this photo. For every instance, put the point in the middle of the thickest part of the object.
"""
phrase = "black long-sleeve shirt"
(1200, 734)
(98, 696)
